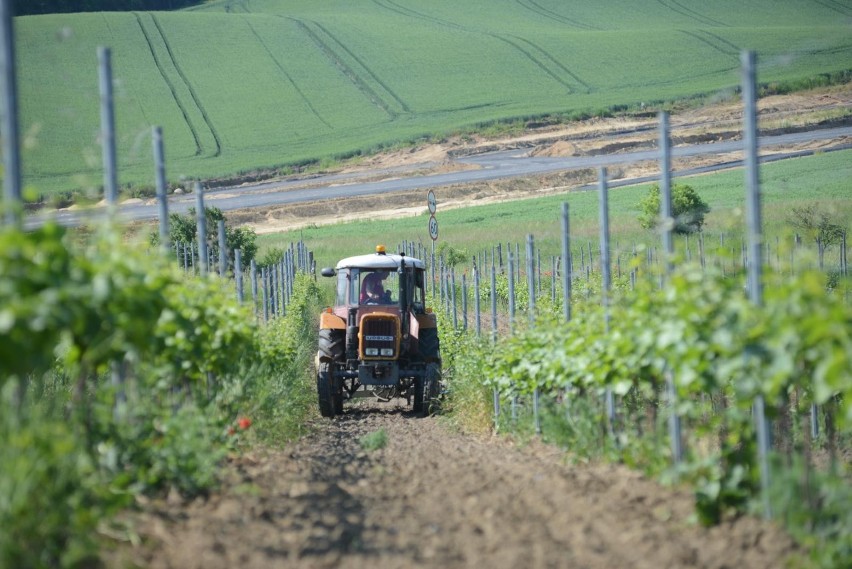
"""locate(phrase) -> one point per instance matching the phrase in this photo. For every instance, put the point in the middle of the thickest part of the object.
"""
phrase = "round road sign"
(433, 203)
(433, 228)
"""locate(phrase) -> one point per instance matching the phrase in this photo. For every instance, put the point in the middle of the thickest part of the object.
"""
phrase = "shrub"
(687, 207)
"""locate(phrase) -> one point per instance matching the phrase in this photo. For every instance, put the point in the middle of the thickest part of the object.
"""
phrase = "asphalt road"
(491, 166)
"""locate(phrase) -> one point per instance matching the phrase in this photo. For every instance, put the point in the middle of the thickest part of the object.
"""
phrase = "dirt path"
(435, 498)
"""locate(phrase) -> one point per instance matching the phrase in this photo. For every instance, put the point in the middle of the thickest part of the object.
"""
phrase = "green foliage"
(202, 373)
(183, 229)
(817, 225)
(271, 256)
(452, 255)
(283, 392)
(817, 513)
(463, 356)
(704, 331)
(688, 209)
(51, 499)
(374, 441)
(158, 448)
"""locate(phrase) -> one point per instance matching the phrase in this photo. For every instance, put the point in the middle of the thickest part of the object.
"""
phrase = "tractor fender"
(427, 320)
(328, 320)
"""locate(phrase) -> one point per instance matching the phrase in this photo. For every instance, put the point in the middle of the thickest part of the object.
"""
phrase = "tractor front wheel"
(329, 394)
(427, 391)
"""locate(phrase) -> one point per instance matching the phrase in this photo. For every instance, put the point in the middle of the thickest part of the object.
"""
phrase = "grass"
(241, 86)
(822, 180)
(374, 441)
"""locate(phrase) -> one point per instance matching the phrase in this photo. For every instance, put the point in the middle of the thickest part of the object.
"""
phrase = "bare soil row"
(433, 497)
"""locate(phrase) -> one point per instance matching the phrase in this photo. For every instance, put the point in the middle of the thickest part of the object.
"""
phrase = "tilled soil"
(433, 497)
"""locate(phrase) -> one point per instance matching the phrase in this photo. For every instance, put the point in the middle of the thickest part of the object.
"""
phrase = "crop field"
(821, 181)
(242, 85)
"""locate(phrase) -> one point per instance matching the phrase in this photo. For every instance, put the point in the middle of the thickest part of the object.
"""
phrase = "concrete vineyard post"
(464, 302)
(531, 278)
(264, 290)
(511, 275)
(667, 219)
(160, 179)
(477, 303)
(606, 284)
(201, 223)
(253, 273)
(493, 304)
(107, 125)
(453, 295)
(755, 239)
(567, 262)
(238, 273)
(9, 125)
(223, 252)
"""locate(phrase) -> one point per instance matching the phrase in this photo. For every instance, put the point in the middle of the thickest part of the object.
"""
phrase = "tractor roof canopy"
(379, 261)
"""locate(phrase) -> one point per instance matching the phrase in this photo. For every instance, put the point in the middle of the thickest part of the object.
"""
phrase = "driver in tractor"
(372, 289)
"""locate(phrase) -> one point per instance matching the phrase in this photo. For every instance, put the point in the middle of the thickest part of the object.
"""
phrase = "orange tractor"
(379, 340)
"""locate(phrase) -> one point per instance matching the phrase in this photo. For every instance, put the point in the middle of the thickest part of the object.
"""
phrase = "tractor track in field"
(551, 15)
(170, 85)
(510, 40)
(679, 8)
(433, 497)
(713, 41)
(360, 84)
(288, 78)
(216, 140)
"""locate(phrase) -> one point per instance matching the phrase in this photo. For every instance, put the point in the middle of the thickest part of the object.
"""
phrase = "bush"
(50, 502)
(687, 207)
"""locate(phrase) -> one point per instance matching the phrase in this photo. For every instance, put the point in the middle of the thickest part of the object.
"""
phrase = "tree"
(28, 7)
(819, 226)
(687, 207)
(183, 230)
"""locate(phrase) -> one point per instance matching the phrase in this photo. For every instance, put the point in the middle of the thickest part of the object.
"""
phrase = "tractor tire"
(417, 406)
(427, 391)
(428, 345)
(326, 390)
(331, 345)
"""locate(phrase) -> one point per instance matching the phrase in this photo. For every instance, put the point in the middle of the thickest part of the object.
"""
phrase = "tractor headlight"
(371, 351)
(387, 351)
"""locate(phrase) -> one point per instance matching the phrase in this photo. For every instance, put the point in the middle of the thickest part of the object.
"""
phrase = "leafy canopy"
(687, 207)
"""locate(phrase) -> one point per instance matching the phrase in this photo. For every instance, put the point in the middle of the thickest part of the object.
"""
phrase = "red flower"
(244, 423)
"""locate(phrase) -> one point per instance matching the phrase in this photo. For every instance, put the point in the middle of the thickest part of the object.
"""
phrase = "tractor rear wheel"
(428, 345)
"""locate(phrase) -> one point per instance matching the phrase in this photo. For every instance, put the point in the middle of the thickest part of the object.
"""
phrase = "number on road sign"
(433, 228)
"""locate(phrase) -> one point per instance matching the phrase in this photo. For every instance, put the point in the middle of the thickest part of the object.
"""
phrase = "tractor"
(379, 340)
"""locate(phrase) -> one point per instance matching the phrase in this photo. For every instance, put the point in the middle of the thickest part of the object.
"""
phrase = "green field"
(824, 181)
(239, 85)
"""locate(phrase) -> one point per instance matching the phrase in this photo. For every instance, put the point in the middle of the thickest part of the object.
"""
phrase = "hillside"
(241, 85)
